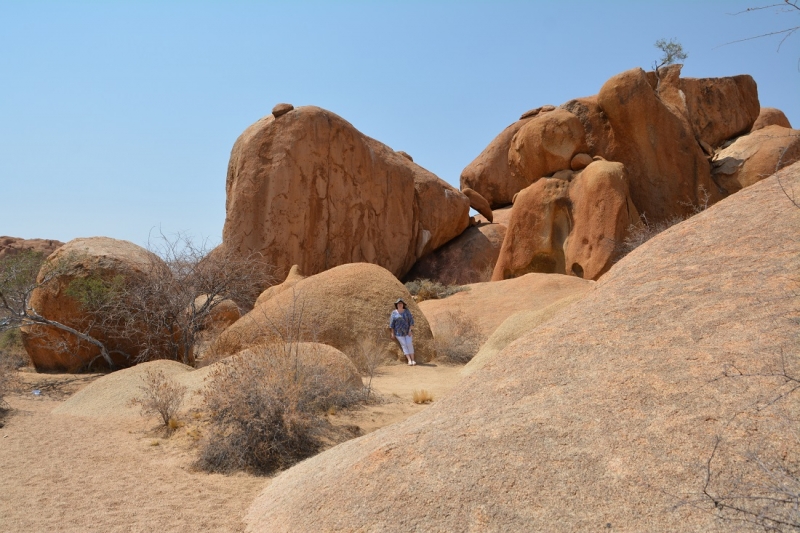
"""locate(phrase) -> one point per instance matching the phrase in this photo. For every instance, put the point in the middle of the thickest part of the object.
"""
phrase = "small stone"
(580, 161)
(531, 113)
(404, 154)
(547, 108)
(281, 109)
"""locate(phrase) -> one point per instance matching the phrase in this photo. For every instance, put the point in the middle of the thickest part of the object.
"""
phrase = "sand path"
(68, 473)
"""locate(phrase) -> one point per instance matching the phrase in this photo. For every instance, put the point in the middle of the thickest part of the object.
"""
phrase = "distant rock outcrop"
(305, 188)
(52, 349)
(607, 416)
(343, 307)
(10, 246)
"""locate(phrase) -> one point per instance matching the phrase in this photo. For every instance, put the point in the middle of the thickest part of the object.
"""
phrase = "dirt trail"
(77, 474)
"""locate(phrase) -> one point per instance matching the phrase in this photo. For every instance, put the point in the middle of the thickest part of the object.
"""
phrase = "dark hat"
(400, 300)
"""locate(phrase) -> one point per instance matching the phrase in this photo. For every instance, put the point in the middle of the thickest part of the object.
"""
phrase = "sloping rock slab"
(606, 416)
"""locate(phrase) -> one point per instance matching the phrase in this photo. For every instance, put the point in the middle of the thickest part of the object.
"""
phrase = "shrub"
(12, 352)
(161, 396)
(267, 408)
(457, 337)
(425, 289)
(422, 396)
(369, 357)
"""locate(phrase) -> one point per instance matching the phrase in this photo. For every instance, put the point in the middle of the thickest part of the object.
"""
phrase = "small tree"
(20, 275)
(159, 308)
(672, 53)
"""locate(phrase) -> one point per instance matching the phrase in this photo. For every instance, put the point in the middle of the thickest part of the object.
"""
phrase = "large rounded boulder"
(346, 307)
(11, 246)
(306, 188)
(95, 258)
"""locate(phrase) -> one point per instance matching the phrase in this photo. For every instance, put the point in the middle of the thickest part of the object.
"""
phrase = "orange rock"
(756, 156)
(469, 258)
(717, 109)
(568, 227)
(51, 349)
(478, 203)
(769, 116)
(308, 189)
(281, 109)
(666, 167)
(580, 161)
(545, 144)
(490, 175)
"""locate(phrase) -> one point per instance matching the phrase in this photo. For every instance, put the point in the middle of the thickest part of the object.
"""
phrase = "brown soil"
(114, 472)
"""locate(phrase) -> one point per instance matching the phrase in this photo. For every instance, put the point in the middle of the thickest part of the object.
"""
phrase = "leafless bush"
(425, 289)
(267, 409)
(159, 310)
(457, 337)
(370, 355)
(161, 396)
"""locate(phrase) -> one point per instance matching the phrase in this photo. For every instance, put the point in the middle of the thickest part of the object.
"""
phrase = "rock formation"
(224, 313)
(478, 203)
(568, 224)
(469, 258)
(342, 307)
(605, 417)
(661, 128)
(305, 188)
(753, 157)
(10, 246)
(52, 349)
(769, 116)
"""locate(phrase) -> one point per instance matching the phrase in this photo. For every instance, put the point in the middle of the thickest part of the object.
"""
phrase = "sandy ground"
(69, 473)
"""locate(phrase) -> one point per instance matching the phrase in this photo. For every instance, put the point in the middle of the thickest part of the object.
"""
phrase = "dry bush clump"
(457, 338)
(370, 355)
(161, 396)
(12, 352)
(422, 396)
(267, 408)
(425, 289)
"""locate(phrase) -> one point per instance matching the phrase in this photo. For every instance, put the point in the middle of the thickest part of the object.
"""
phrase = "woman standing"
(401, 322)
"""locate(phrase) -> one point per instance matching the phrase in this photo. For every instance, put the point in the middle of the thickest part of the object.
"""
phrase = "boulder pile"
(672, 141)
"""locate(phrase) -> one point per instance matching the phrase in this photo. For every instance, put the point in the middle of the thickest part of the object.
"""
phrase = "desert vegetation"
(425, 289)
(160, 396)
(457, 338)
(267, 407)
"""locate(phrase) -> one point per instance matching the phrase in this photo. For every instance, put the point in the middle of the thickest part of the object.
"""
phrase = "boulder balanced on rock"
(306, 188)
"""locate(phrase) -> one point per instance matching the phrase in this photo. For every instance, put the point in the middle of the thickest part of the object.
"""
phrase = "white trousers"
(405, 344)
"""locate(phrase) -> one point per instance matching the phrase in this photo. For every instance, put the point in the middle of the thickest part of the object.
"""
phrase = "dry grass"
(370, 355)
(422, 396)
(267, 409)
(161, 396)
(457, 337)
(425, 289)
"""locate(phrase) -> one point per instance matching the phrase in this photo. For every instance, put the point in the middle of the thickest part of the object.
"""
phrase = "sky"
(117, 118)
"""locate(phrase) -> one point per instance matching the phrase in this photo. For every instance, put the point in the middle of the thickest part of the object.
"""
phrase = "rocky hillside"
(607, 415)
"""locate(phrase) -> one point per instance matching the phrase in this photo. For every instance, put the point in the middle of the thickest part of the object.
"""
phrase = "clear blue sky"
(118, 117)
